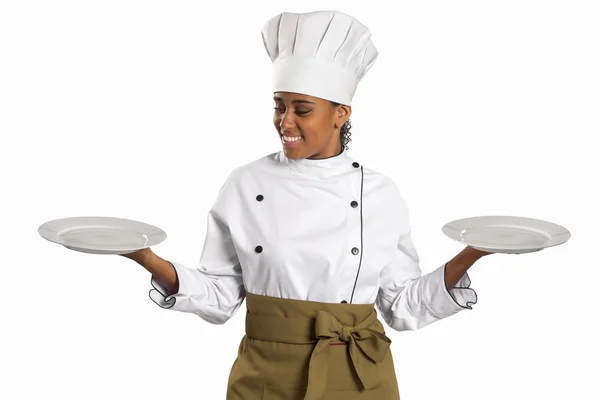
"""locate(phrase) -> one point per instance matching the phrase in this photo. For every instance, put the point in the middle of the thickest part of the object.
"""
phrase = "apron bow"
(367, 347)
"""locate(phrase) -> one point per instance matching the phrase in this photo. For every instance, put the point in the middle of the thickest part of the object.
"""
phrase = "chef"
(317, 244)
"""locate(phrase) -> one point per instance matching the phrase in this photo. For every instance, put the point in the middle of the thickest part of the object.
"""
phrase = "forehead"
(292, 97)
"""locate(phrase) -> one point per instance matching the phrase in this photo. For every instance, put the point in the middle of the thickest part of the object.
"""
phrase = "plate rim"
(559, 235)
(49, 231)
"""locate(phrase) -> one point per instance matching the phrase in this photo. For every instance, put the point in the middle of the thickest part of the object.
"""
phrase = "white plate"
(506, 234)
(101, 235)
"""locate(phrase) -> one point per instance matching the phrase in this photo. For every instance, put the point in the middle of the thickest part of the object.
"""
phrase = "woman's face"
(314, 120)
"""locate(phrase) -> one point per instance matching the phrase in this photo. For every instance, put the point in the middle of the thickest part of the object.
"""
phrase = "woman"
(312, 239)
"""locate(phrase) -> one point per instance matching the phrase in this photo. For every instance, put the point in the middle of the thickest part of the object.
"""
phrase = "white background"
(140, 109)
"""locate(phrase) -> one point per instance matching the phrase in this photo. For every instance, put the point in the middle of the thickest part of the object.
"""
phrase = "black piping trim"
(469, 303)
(362, 247)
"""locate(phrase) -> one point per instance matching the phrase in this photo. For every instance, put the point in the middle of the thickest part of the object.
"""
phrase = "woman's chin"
(292, 153)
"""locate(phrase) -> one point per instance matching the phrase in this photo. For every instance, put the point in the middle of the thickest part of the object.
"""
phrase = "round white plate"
(506, 234)
(101, 235)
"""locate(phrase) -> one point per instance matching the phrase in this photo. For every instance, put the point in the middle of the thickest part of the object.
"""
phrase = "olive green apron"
(306, 350)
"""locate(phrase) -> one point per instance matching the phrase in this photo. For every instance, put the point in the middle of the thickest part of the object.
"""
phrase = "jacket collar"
(323, 167)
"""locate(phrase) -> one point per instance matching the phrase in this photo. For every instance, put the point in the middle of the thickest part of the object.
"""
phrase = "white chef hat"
(321, 53)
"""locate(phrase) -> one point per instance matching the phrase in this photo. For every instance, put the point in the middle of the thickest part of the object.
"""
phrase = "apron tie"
(362, 341)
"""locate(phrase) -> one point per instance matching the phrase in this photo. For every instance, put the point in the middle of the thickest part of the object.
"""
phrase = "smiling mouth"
(291, 143)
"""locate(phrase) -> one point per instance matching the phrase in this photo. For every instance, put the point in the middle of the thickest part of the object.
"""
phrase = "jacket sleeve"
(214, 290)
(408, 300)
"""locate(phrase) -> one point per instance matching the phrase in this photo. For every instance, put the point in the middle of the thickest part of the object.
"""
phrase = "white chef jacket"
(326, 230)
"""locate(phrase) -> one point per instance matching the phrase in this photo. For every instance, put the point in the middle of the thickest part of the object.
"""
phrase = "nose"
(287, 122)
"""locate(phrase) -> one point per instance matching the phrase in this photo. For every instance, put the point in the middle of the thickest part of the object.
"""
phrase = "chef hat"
(321, 53)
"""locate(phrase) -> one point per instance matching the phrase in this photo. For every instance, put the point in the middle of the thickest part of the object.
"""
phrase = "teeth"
(295, 139)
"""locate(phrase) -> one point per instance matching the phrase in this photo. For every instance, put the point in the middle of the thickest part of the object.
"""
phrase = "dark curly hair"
(344, 130)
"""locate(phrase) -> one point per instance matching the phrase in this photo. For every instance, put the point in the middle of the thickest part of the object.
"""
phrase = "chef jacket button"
(258, 249)
(344, 301)
(260, 197)
(355, 164)
(354, 251)
(354, 204)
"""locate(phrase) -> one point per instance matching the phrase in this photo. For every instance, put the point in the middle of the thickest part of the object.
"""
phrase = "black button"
(354, 204)
(344, 301)
(260, 197)
(354, 251)
(355, 164)
(258, 249)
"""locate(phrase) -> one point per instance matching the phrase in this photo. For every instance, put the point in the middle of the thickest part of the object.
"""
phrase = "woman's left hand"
(478, 252)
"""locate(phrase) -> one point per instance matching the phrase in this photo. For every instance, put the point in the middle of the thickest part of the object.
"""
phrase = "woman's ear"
(344, 113)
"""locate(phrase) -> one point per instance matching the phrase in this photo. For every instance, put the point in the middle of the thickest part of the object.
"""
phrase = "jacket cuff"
(443, 302)
(158, 294)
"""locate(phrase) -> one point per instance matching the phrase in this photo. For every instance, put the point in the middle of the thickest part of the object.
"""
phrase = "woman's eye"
(282, 110)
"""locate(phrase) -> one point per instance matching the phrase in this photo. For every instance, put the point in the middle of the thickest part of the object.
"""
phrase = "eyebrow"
(294, 101)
